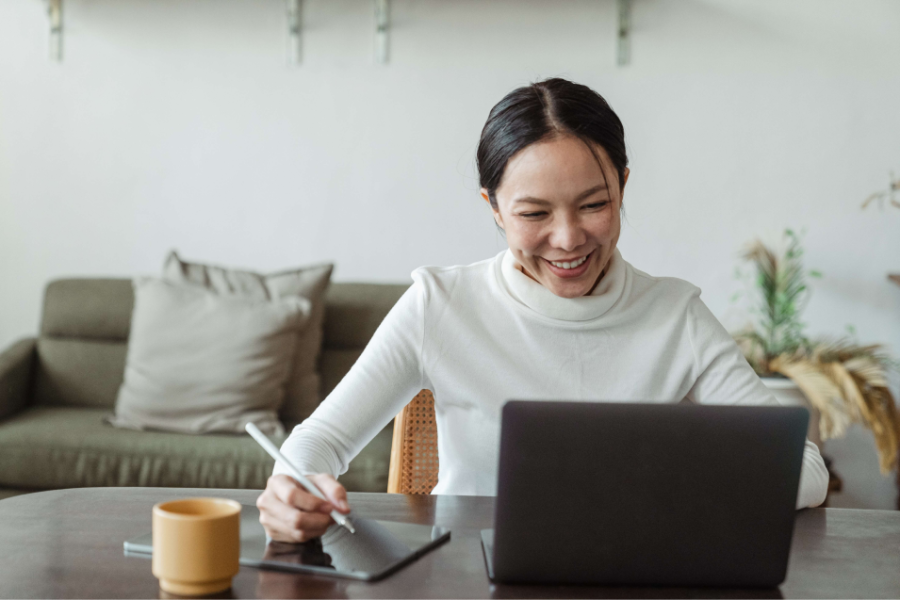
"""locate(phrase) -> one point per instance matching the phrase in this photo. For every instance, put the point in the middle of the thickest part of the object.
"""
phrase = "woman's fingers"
(333, 490)
(289, 513)
(294, 525)
(292, 493)
(296, 518)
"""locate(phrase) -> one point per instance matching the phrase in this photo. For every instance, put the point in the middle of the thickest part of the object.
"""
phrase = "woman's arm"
(382, 381)
(725, 377)
(385, 378)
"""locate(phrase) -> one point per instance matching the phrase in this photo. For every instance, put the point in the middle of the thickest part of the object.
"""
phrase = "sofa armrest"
(16, 363)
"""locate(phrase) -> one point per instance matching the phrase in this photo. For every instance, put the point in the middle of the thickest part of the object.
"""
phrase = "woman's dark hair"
(541, 110)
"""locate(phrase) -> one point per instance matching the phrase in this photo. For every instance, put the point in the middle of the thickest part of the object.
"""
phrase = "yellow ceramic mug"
(196, 545)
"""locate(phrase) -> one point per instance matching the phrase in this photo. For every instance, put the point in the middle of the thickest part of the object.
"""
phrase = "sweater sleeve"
(382, 381)
(725, 377)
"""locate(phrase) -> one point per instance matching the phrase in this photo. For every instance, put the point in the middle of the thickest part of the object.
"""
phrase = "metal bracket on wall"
(382, 25)
(295, 26)
(623, 44)
(54, 12)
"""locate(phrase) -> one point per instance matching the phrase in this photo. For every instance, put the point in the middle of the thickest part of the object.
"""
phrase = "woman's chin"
(565, 285)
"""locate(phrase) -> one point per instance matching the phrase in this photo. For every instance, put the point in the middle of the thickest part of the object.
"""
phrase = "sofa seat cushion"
(58, 447)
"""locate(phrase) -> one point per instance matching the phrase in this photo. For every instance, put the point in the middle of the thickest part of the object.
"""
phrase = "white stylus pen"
(309, 486)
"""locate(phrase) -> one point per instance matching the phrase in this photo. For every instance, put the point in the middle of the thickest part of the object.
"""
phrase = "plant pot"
(789, 393)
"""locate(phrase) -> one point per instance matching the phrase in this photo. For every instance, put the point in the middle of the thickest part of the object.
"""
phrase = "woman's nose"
(567, 235)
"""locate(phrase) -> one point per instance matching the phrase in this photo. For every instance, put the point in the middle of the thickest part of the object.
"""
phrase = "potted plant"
(841, 381)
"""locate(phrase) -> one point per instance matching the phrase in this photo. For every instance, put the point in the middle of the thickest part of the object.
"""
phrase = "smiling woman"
(560, 215)
(559, 315)
(553, 166)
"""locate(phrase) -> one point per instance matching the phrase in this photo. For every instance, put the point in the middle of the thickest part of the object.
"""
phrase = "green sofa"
(55, 390)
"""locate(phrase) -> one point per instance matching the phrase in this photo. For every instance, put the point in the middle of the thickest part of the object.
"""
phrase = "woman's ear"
(487, 198)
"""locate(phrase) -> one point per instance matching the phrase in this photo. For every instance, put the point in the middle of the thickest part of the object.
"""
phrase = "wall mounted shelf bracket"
(623, 42)
(294, 33)
(382, 26)
(54, 12)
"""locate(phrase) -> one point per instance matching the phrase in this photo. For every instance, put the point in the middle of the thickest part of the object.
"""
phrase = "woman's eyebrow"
(590, 192)
(585, 194)
(531, 200)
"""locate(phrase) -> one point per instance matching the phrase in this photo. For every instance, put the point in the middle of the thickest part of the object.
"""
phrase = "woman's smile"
(569, 268)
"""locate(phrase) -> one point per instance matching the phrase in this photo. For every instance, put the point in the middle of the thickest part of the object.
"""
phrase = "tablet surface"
(377, 549)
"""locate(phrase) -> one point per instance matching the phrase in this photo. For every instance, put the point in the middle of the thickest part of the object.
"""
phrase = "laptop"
(645, 494)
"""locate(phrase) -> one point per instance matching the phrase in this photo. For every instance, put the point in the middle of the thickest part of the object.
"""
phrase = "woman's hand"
(291, 514)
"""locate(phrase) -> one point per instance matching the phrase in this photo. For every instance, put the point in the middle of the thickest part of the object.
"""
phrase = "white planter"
(789, 393)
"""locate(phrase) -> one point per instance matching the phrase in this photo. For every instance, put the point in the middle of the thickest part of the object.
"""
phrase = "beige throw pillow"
(204, 362)
(302, 391)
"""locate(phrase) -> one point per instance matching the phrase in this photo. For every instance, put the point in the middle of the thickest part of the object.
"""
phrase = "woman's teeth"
(569, 265)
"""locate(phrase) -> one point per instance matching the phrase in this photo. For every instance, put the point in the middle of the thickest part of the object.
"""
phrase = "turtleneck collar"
(536, 297)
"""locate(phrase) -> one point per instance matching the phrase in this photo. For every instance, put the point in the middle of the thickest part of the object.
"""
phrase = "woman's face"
(560, 214)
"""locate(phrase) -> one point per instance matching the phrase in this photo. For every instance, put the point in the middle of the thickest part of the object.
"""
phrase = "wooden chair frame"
(414, 454)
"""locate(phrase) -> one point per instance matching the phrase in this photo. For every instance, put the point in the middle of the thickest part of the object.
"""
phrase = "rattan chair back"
(414, 452)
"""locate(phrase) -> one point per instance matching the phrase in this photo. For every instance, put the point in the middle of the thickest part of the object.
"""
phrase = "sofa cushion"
(59, 447)
(98, 309)
(78, 372)
(334, 365)
(81, 349)
(302, 391)
(201, 362)
(355, 310)
(51, 447)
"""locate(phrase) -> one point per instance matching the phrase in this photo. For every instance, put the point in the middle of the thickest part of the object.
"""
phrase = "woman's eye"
(532, 215)
(595, 205)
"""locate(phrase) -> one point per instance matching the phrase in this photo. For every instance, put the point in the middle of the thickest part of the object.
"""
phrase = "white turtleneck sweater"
(480, 334)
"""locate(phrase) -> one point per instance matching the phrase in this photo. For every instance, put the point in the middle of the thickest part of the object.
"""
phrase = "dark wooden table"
(68, 544)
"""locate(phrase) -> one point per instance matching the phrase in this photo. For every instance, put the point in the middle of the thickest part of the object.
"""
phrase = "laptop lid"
(646, 494)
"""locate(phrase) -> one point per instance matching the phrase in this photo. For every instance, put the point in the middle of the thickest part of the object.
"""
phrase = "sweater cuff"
(813, 478)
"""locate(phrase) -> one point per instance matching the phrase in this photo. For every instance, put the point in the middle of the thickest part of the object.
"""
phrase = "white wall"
(177, 124)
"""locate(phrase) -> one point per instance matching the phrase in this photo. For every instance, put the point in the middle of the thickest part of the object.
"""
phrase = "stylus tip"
(348, 525)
